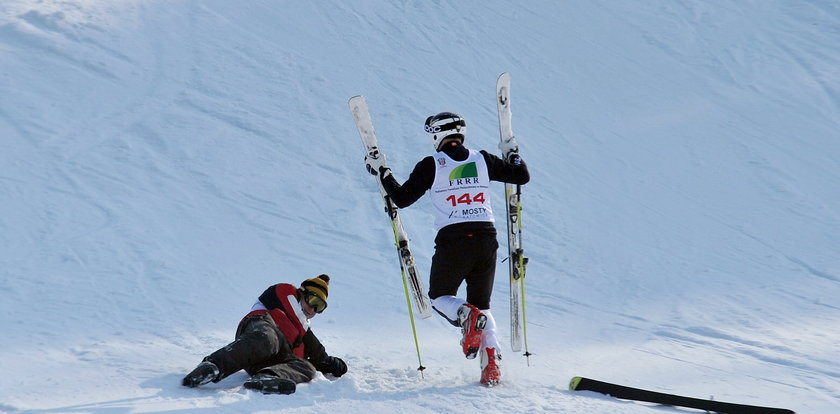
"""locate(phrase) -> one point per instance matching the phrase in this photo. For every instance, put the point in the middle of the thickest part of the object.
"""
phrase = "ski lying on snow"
(636, 394)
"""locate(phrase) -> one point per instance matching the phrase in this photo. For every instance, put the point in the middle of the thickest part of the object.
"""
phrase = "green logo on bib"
(464, 171)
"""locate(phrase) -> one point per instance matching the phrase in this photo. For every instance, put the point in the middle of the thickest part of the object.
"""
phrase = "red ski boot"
(472, 322)
(491, 370)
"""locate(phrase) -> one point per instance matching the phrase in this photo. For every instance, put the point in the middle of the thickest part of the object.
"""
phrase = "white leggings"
(448, 306)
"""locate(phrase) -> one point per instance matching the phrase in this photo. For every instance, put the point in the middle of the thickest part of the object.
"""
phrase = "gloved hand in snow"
(336, 366)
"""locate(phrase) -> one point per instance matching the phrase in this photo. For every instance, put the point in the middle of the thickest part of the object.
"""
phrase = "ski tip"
(573, 384)
(356, 98)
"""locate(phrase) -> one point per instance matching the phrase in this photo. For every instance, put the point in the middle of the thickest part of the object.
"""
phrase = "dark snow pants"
(469, 257)
(260, 347)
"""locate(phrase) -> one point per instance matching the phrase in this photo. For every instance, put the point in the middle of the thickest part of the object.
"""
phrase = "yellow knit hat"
(318, 286)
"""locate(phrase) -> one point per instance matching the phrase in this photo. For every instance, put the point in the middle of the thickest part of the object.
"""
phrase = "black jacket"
(423, 176)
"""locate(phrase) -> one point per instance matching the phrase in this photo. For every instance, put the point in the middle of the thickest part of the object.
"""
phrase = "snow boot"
(270, 384)
(472, 322)
(491, 367)
(202, 374)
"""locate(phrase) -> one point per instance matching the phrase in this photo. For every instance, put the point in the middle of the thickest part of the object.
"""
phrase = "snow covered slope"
(162, 162)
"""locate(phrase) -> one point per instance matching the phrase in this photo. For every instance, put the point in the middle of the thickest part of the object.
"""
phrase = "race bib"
(460, 192)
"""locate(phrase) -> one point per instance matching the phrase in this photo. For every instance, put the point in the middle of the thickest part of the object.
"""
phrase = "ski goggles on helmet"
(444, 121)
(315, 301)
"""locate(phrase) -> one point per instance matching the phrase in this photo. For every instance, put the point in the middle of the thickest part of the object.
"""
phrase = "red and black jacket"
(282, 304)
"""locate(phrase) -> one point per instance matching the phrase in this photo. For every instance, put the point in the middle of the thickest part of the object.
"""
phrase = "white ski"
(513, 207)
(411, 278)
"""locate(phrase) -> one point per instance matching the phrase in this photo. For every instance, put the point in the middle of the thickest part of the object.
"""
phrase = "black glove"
(336, 366)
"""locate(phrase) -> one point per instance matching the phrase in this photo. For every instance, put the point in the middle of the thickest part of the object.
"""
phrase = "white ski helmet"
(443, 125)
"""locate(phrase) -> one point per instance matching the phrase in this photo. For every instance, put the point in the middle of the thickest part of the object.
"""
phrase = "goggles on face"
(314, 301)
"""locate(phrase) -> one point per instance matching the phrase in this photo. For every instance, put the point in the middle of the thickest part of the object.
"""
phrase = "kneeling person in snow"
(274, 343)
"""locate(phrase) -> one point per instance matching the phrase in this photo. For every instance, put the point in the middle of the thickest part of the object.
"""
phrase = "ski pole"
(522, 262)
(405, 288)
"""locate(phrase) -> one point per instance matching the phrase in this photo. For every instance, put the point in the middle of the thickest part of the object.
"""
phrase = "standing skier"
(465, 246)
(274, 343)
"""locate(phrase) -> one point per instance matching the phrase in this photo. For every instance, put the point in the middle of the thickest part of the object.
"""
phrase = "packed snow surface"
(163, 162)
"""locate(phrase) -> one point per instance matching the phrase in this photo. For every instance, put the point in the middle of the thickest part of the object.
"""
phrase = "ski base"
(628, 393)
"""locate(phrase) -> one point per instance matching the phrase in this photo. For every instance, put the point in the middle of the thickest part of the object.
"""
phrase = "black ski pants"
(260, 347)
(470, 257)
